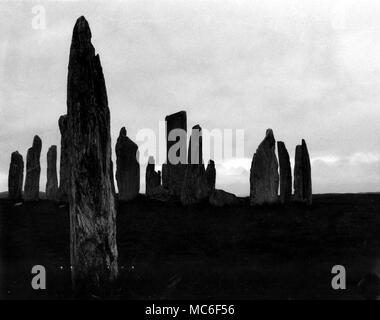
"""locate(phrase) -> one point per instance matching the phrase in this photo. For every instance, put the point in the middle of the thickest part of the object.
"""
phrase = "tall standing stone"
(16, 176)
(52, 179)
(127, 167)
(33, 171)
(173, 171)
(92, 203)
(152, 178)
(264, 177)
(302, 175)
(285, 173)
(64, 178)
(211, 175)
(195, 188)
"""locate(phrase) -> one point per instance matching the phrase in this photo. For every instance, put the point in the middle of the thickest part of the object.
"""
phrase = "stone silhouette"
(127, 167)
(285, 173)
(152, 178)
(211, 175)
(221, 198)
(52, 179)
(264, 177)
(33, 171)
(64, 162)
(302, 175)
(91, 200)
(16, 176)
(173, 171)
(195, 188)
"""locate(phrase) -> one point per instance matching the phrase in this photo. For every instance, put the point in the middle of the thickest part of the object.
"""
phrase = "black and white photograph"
(155, 151)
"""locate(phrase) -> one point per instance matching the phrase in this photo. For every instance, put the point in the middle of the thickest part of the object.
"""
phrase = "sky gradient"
(306, 69)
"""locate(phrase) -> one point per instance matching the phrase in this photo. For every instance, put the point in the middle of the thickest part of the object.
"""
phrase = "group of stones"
(86, 171)
(265, 178)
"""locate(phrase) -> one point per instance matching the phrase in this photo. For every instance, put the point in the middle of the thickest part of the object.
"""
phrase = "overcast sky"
(306, 69)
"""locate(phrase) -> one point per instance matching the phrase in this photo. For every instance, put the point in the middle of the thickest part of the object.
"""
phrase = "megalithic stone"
(211, 175)
(173, 171)
(127, 167)
(195, 188)
(264, 177)
(285, 173)
(33, 171)
(91, 200)
(16, 176)
(64, 162)
(52, 179)
(302, 175)
(152, 178)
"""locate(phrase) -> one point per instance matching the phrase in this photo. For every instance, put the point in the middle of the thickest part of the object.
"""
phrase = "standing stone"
(285, 173)
(16, 176)
(64, 178)
(195, 188)
(173, 171)
(33, 171)
(92, 204)
(211, 175)
(127, 167)
(264, 177)
(52, 179)
(302, 175)
(152, 178)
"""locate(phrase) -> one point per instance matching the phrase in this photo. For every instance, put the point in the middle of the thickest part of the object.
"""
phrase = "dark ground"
(170, 252)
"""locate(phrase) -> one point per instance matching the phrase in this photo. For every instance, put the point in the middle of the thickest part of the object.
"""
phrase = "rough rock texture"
(92, 203)
(16, 176)
(127, 167)
(285, 173)
(264, 177)
(173, 171)
(33, 171)
(64, 162)
(52, 179)
(152, 178)
(302, 175)
(211, 175)
(195, 188)
(220, 198)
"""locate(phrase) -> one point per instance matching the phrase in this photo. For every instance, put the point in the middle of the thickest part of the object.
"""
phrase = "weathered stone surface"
(264, 177)
(285, 173)
(92, 203)
(33, 171)
(211, 175)
(220, 198)
(127, 167)
(52, 179)
(64, 162)
(302, 175)
(195, 188)
(152, 178)
(173, 171)
(16, 176)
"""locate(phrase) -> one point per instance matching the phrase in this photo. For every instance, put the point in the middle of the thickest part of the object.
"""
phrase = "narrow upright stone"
(195, 188)
(173, 171)
(64, 162)
(264, 177)
(33, 171)
(91, 200)
(302, 175)
(52, 179)
(152, 178)
(211, 175)
(285, 173)
(127, 167)
(16, 176)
